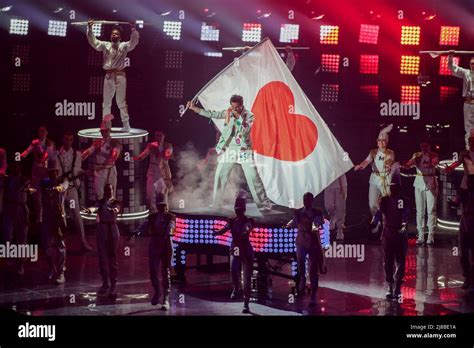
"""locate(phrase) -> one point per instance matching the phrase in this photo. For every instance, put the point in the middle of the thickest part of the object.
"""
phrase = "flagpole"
(221, 72)
(435, 54)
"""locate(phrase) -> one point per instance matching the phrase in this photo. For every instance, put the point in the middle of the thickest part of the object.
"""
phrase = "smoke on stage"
(194, 180)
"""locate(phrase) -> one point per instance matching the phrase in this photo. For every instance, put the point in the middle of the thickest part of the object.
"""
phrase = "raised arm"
(223, 229)
(290, 58)
(96, 44)
(364, 163)
(87, 152)
(293, 222)
(207, 113)
(134, 38)
(144, 154)
(27, 151)
(412, 161)
(114, 155)
(454, 68)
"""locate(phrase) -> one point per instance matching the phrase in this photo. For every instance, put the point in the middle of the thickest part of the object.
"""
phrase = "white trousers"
(103, 177)
(154, 184)
(223, 170)
(468, 120)
(374, 195)
(335, 204)
(425, 206)
(71, 202)
(115, 84)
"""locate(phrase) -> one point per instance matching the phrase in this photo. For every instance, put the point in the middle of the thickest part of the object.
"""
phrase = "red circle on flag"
(277, 131)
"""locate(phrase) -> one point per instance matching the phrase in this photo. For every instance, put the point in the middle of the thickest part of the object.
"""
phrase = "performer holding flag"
(289, 148)
(236, 144)
(115, 81)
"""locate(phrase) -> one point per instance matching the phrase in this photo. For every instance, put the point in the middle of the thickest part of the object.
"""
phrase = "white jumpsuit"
(467, 75)
(115, 81)
(426, 191)
(108, 175)
(379, 183)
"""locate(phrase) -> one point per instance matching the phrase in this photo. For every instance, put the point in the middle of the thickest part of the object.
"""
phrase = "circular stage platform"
(131, 176)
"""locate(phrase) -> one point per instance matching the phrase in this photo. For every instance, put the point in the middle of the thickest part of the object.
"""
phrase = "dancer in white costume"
(235, 147)
(115, 81)
(467, 76)
(381, 160)
(426, 190)
(107, 151)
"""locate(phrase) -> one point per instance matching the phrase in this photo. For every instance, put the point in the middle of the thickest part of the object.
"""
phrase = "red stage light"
(443, 65)
(329, 34)
(330, 63)
(369, 64)
(410, 94)
(410, 35)
(252, 32)
(447, 93)
(369, 34)
(370, 92)
(410, 65)
(449, 36)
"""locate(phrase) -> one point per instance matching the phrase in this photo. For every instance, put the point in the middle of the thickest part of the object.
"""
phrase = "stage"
(432, 287)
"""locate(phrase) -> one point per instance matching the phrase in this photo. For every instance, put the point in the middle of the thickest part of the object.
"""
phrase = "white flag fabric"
(294, 150)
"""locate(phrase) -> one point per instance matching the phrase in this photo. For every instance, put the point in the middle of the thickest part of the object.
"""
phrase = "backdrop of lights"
(22, 52)
(97, 29)
(447, 93)
(21, 82)
(209, 32)
(369, 34)
(94, 58)
(19, 26)
(410, 94)
(330, 63)
(57, 28)
(252, 32)
(369, 93)
(372, 63)
(172, 29)
(289, 33)
(173, 59)
(96, 85)
(410, 35)
(410, 65)
(174, 89)
(213, 54)
(369, 64)
(329, 93)
(329, 34)
(449, 36)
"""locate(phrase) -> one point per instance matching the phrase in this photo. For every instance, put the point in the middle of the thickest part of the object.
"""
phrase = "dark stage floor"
(432, 287)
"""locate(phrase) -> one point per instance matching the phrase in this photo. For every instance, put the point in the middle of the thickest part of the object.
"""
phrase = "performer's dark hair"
(116, 27)
(68, 133)
(237, 99)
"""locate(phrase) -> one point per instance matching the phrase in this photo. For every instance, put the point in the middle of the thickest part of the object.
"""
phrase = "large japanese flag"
(295, 152)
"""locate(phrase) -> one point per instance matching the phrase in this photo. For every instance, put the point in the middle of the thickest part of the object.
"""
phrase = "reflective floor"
(351, 287)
